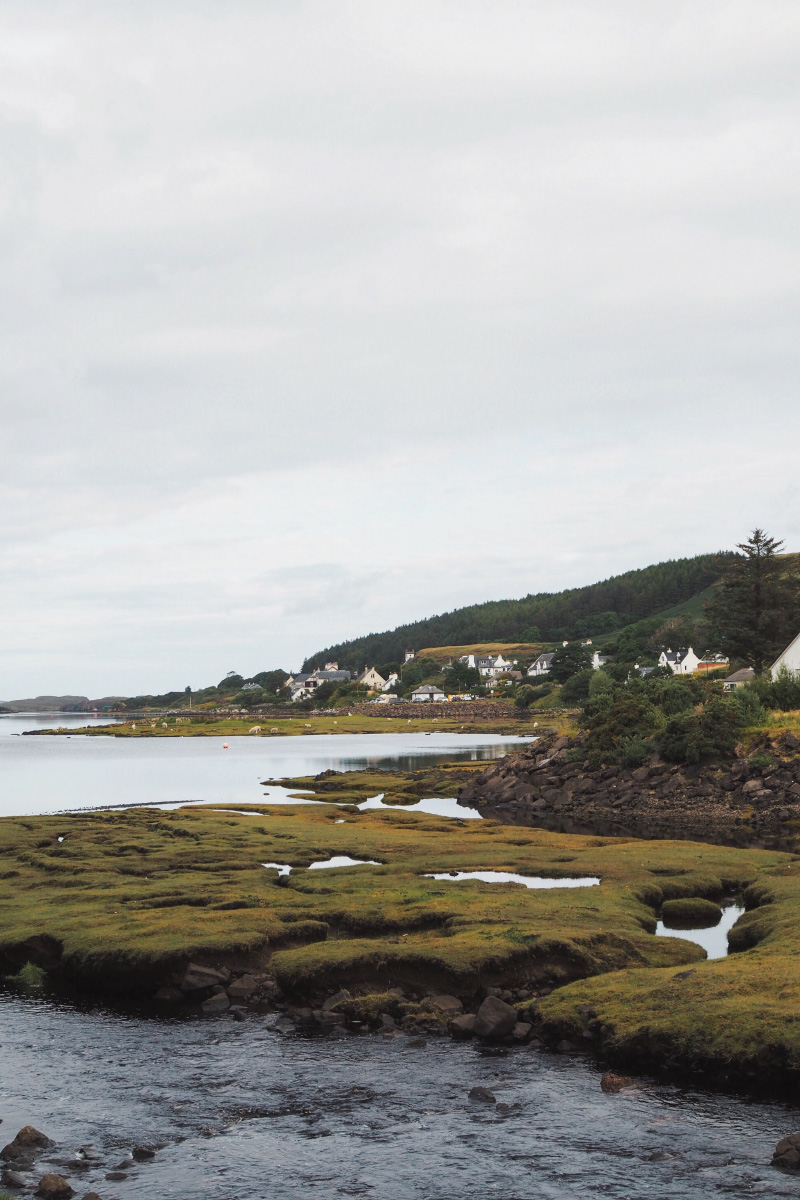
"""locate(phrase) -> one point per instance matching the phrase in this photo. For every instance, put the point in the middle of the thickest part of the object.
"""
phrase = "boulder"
(91, 1196)
(463, 1026)
(615, 1083)
(216, 1004)
(521, 1031)
(332, 1001)
(12, 1179)
(54, 1187)
(446, 1004)
(198, 979)
(494, 1019)
(787, 1153)
(143, 1153)
(483, 1094)
(168, 995)
(242, 989)
(26, 1145)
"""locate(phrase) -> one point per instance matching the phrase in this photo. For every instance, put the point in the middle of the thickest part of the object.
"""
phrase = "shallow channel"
(240, 1113)
(528, 881)
(713, 938)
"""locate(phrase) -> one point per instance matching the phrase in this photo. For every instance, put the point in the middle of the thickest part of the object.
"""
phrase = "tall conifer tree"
(756, 608)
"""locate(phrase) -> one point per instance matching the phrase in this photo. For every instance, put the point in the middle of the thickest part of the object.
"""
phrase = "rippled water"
(242, 1113)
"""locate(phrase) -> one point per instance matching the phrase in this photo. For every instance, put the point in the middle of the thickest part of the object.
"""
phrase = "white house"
(371, 679)
(598, 660)
(488, 665)
(541, 666)
(304, 685)
(390, 682)
(680, 662)
(427, 693)
(738, 679)
(790, 658)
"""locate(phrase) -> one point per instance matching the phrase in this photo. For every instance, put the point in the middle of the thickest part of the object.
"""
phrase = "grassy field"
(444, 654)
(299, 724)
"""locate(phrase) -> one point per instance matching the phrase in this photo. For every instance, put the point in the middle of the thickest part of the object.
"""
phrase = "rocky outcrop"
(26, 1145)
(787, 1153)
(752, 800)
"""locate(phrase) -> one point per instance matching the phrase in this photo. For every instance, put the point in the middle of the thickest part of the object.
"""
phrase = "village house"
(371, 679)
(680, 662)
(713, 662)
(738, 679)
(427, 693)
(541, 666)
(489, 665)
(302, 686)
(790, 659)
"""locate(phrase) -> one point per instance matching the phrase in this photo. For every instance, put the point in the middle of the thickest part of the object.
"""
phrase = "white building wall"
(789, 659)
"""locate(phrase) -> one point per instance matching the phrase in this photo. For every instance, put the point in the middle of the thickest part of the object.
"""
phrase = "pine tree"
(756, 609)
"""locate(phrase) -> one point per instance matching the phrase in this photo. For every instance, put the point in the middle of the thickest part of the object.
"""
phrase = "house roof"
(743, 676)
(545, 658)
(327, 675)
(426, 687)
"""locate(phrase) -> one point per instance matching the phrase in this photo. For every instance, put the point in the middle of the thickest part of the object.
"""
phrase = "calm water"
(714, 938)
(50, 774)
(242, 1113)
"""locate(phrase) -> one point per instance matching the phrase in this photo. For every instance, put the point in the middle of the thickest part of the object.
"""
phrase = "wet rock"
(26, 1145)
(463, 1026)
(116, 1176)
(198, 979)
(494, 1019)
(168, 995)
(787, 1153)
(218, 1003)
(417, 1043)
(284, 1025)
(90, 1196)
(237, 1013)
(502, 1109)
(54, 1187)
(446, 1004)
(12, 1179)
(143, 1153)
(387, 1021)
(242, 989)
(564, 1046)
(521, 1031)
(331, 1018)
(615, 1083)
(483, 1094)
(332, 1001)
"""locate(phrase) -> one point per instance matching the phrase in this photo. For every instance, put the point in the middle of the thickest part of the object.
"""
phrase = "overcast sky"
(320, 317)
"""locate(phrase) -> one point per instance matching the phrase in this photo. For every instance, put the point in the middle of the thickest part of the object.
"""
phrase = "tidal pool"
(714, 938)
(529, 881)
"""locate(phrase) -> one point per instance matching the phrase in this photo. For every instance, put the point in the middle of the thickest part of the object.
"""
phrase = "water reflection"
(714, 938)
(528, 881)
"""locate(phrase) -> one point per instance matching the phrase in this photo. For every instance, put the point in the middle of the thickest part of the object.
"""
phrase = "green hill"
(599, 609)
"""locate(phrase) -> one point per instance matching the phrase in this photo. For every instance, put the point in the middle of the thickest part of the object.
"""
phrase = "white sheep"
(255, 729)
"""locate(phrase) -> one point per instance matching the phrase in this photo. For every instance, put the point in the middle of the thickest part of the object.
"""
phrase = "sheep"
(255, 729)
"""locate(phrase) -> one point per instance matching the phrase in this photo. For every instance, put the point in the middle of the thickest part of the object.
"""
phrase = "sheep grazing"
(255, 729)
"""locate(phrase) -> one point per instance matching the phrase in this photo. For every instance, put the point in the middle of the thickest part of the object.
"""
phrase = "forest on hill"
(599, 608)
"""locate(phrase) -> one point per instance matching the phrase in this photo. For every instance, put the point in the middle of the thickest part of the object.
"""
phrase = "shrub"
(634, 751)
(702, 736)
(577, 687)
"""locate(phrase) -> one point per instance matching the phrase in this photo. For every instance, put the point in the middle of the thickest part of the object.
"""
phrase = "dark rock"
(90, 1196)
(503, 1109)
(787, 1153)
(521, 1031)
(218, 1003)
(26, 1145)
(615, 1083)
(332, 1001)
(494, 1019)
(564, 1046)
(387, 1021)
(417, 1043)
(168, 995)
(242, 989)
(463, 1026)
(116, 1176)
(484, 1094)
(446, 1004)
(198, 979)
(54, 1187)
(12, 1179)
(237, 1013)
(143, 1153)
